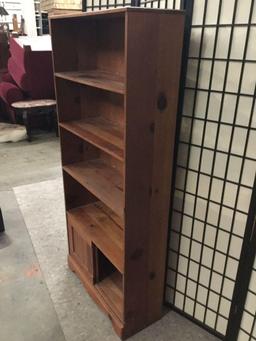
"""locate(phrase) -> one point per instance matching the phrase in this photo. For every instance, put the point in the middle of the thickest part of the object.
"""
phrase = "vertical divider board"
(117, 80)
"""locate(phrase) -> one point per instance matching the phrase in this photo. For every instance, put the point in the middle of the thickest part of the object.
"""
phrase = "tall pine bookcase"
(117, 81)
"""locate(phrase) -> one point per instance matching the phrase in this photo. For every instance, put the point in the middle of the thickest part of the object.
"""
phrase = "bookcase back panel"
(105, 53)
(74, 149)
(93, 114)
(93, 46)
(80, 102)
(98, 172)
(68, 100)
(63, 37)
(106, 104)
(75, 194)
(109, 282)
(113, 163)
(110, 45)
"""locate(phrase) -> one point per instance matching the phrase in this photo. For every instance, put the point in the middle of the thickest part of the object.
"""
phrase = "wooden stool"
(38, 107)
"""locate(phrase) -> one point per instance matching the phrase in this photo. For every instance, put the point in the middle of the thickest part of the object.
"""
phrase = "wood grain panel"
(141, 36)
(150, 131)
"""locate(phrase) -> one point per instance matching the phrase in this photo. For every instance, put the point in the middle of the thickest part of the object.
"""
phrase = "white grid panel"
(248, 324)
(216, 161)
(95, 4)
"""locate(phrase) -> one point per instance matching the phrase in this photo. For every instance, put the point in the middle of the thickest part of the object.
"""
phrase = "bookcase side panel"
(141, 54)
(154, 44)
(170, 40)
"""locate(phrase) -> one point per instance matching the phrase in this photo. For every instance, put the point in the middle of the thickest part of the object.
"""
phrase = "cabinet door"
(80, 249)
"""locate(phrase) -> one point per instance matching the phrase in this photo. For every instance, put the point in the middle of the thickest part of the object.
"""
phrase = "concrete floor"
(40, 299)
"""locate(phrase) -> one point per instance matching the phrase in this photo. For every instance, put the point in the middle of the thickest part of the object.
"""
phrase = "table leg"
(48, 116)
(1, 222)
(26, 121)
(55, 122)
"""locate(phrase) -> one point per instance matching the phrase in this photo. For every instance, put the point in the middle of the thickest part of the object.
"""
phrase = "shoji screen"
(170, 4)
(248, 324)
(216, 162)
(94, 5)
(103, 4)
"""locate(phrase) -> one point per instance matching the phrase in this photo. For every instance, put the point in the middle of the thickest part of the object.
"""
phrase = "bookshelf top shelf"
(95, 78)
(115, 12)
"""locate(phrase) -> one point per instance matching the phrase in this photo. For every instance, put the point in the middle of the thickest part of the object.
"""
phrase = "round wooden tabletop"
(30, 104)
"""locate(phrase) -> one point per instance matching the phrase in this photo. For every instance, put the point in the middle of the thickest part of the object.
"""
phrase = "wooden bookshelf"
(117, 81)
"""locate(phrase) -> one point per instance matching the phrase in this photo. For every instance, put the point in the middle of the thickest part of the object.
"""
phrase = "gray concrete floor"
(40, 299)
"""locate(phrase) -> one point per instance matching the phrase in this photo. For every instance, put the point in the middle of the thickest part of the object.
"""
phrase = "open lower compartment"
(98, 172)
(109, 283)
(96, 243)
(99, 225)
(94, 115)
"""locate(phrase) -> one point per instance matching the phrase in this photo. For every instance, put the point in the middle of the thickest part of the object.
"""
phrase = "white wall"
(28, 12)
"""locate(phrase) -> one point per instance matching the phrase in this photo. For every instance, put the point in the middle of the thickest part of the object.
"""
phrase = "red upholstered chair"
(30, 72)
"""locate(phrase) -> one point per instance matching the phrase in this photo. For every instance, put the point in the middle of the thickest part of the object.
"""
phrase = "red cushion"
(17, 52)
(32, 70)
(6, 77)
(10, 93)
(39, 70)
(18, 74)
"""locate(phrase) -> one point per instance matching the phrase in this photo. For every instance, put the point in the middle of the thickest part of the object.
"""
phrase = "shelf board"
(99, 132)
(102, 180)
(95, 78)
(103, 227)
(111, 289)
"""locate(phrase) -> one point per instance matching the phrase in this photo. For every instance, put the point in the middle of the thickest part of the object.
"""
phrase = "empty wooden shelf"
(96, 78)
(99, 132)
(117, 83)
(101, 180)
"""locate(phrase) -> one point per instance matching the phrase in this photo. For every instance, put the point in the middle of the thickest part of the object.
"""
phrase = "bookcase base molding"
(117, 84)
